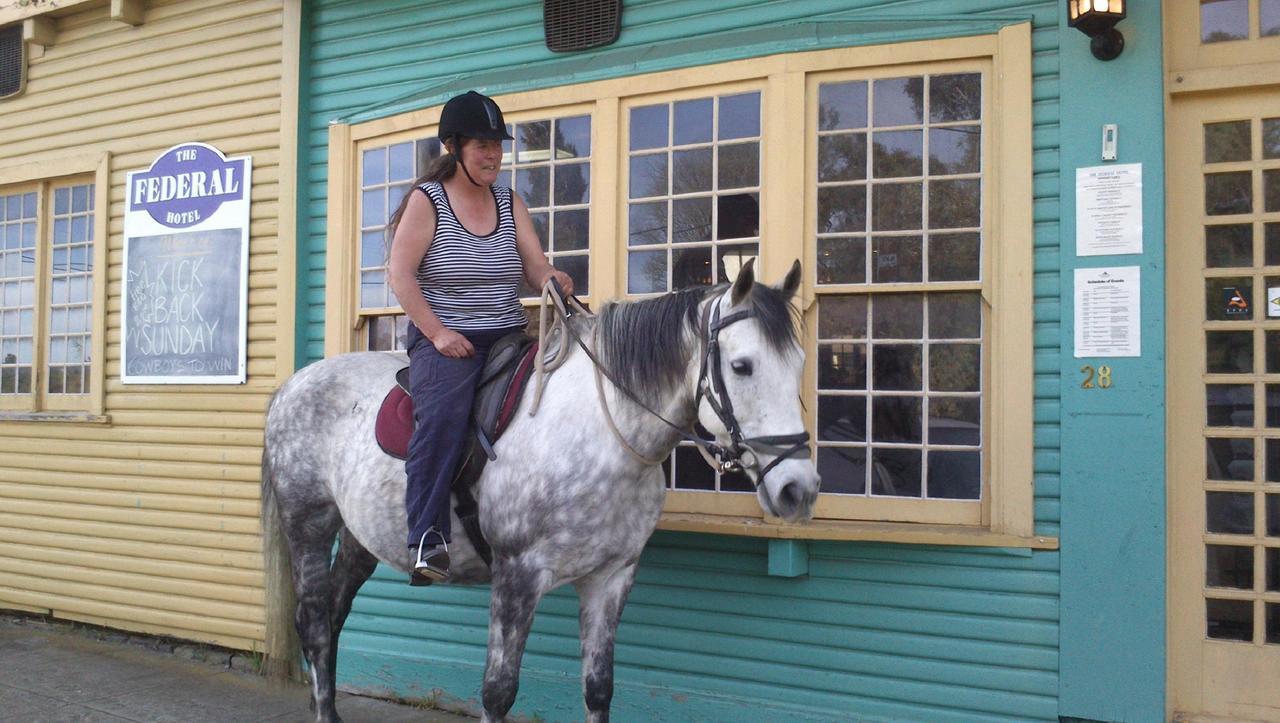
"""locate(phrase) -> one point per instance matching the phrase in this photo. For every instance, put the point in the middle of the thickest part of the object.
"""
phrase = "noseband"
(742, 453)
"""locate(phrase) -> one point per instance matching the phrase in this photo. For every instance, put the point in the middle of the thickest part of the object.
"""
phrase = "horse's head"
(749, 391)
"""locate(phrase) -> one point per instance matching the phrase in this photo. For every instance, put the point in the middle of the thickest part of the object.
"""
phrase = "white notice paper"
(1108, 313)
(1109, 210)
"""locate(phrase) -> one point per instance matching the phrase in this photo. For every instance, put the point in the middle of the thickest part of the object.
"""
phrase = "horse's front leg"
(600, 599)
(517, 588)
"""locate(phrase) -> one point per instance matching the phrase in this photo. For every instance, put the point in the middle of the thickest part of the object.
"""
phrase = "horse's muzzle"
(791, 490)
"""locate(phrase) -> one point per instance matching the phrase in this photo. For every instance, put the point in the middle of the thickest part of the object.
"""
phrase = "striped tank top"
(469, 280)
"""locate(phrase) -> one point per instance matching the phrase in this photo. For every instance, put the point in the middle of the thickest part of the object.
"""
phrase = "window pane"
(1229, 245)
(1223, 20)
(690, 267)
(955, 97)
(955, 367)
(573, 184)
(690, 471)
(1229, 566)
(842, 105)
(896, 367)
(739, 215)
(572, 230)
(1227, 193)
(691, 171)
(842, 260)
(1229, 405)
(401, 166)
(1273, 515)
(573, 137)
(1268, 19)
(693, 121)
(955, 475)
(955, 315)
(955, 150)
(842, 366)
(842, 317)
(576, 267)
(842, 157)
(533, 141)
(898, 101)
(897, 316)
(647, 223)
(1229, 513)
(1225, 142)
(1271, 190)
(955, 204)
(646, 272)
(896, 258)
(1231, 352)
(691, 220)
(897, 153)
(896, 419)
(896, 207)
(843, 470)
(648, 127)
(842, 209)
(954, 257)
(895, 471)
(1229, 619)
(534, 185)
(1229, 298)
(1271, 138)
(842, 418)
(649, 175)
(955, 420)
(739, 165)
(739, 116)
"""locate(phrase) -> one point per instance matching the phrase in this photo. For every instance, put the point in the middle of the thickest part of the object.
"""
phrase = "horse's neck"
(650, 435)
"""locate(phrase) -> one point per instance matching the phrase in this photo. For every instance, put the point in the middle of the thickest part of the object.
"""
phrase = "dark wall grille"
(11, 61)
(581, 24)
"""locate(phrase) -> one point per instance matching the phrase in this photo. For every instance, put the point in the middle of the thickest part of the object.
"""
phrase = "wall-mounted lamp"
(1097, 19)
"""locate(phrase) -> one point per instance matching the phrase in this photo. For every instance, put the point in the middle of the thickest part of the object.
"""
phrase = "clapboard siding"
(150, 522)
(874, 630)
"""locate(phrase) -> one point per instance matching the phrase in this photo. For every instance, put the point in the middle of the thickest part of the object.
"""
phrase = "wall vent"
(581, 24)
(13, 61)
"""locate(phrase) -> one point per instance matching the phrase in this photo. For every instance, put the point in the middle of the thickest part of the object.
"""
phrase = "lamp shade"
(1094, 16)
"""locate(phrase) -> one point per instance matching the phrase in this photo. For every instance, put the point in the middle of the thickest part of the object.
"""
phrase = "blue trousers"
(443, 389)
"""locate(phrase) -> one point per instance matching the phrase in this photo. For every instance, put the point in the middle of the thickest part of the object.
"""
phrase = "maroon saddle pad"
(502, 383)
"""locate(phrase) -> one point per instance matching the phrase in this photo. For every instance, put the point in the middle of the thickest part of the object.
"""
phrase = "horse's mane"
(642, 343)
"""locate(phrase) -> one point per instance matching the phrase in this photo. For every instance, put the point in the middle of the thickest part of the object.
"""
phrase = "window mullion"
(608, 205)
(40, 314)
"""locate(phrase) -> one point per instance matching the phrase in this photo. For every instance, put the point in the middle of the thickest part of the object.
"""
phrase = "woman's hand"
(566, 282)
(452, 344)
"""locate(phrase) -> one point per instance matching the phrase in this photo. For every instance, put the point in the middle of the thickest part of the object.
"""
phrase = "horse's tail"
(282, 658)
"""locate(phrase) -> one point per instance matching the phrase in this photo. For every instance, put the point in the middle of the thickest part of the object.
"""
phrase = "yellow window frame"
(44, 176)
(787, 233)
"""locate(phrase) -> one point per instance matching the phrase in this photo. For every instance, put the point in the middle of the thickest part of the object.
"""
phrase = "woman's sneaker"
(430, 565)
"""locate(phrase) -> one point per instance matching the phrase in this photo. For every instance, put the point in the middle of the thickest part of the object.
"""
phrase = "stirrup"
(433, 568)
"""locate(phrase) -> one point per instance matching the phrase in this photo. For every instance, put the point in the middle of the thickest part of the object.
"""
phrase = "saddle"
(502, 382)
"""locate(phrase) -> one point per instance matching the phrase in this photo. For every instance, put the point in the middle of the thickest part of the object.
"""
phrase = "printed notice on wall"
(1108, 315)
(186, 256)
(1109, 210)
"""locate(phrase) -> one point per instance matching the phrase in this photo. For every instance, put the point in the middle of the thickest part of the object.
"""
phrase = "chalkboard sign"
(185, 269)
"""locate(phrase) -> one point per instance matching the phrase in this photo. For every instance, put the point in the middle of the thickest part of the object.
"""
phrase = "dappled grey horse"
(566, 500)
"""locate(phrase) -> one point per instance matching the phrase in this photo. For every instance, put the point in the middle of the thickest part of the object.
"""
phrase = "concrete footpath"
(58, 671)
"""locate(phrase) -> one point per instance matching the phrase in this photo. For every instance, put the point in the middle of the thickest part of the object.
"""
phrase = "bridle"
(742, 453)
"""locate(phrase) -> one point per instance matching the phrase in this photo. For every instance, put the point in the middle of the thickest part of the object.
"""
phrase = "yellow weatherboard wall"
(141, 511)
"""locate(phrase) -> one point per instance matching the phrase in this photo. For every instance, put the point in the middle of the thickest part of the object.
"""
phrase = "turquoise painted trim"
(711, 48)
(788, 558)
(1113, 441)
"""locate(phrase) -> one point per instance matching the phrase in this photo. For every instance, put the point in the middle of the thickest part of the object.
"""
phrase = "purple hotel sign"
(187, 184)
(186, 271)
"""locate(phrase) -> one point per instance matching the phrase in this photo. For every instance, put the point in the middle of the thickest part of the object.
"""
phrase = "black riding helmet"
(471, 115)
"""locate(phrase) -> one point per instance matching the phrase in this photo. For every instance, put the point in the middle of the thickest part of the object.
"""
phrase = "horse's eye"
(741, 367)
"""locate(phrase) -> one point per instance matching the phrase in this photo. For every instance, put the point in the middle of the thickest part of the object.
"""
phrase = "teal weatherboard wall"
(871, 631)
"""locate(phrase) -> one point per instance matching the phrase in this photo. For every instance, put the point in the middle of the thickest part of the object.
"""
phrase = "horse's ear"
(792, 283)
(742, 285)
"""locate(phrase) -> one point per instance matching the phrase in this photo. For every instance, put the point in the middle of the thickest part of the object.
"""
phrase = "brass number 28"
(1102, 376)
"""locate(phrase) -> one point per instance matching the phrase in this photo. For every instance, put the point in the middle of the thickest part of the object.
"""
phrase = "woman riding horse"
(459, 247)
